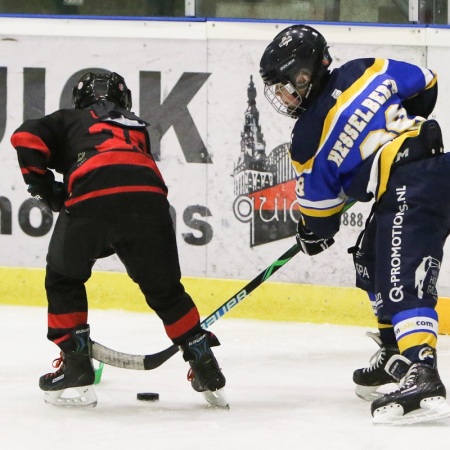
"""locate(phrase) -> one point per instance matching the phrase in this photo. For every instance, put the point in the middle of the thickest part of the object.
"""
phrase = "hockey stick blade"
(152, 361)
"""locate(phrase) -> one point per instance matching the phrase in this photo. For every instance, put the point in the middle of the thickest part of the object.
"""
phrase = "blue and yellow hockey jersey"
(344, 144)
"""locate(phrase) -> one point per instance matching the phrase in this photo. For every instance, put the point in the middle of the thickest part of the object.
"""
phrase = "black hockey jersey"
(103, 151)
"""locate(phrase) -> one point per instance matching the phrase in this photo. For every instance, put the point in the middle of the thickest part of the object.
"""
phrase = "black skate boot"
(369, 379)
(205, 374)
(420, 398)
(75, 370)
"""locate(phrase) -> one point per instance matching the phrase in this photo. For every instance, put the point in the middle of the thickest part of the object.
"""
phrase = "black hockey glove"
(53, 195)
(310, 244)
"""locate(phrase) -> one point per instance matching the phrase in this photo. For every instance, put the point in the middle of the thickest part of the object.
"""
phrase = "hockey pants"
(145, 244)
(402, 248)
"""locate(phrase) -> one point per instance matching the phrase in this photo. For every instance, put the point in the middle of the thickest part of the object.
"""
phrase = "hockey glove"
(52, 195)
(310, 244)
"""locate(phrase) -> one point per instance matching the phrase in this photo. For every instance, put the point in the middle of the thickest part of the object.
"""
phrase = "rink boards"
(271, 301)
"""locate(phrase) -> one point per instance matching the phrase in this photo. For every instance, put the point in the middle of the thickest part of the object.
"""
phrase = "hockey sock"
(416, 331)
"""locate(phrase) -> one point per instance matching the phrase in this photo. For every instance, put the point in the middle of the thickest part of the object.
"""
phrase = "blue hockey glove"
(310, 244)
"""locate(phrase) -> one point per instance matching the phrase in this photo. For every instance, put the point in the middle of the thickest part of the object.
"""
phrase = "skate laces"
(58, 361)
(410, 378)
(376, 361)
(57, 364)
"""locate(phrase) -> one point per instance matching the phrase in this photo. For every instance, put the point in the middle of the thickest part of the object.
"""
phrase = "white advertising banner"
(221, 147)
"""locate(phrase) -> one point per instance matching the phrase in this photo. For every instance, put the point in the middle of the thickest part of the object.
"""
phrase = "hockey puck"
(148, 396)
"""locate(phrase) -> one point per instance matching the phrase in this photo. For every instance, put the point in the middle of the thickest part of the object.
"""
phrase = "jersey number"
(120, 138)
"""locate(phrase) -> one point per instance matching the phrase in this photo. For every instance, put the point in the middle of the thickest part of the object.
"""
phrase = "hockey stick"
(152, 361)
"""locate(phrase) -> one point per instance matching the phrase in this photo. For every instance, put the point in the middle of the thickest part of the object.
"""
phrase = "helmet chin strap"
(305, 97)
(308, 91)
(297, 110)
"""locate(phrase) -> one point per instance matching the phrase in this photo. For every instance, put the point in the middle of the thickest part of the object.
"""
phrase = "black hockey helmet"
(296, 49)
(101, 86)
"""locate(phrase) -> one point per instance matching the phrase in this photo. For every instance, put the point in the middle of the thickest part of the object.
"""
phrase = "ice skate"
(205, 374)
(420, 398)
(370, 380)
(71, 384)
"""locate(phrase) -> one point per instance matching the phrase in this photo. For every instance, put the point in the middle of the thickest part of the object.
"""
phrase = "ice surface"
(289, 385)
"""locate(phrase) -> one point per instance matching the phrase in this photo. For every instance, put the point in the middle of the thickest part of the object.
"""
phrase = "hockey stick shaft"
(251, 286)
(152, 361)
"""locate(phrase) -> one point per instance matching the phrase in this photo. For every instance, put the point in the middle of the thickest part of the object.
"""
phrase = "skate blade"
(68, 398)
(431, 409)
(217, 398)
(371, 393)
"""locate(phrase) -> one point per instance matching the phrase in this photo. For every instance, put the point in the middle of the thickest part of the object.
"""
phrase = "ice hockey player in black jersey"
(113, 200)
(362, 132)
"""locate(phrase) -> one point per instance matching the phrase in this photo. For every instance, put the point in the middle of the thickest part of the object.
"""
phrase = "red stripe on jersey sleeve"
(30, 169)
(29, 141)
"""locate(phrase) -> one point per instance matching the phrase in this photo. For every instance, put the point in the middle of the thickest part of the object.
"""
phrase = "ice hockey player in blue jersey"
(362, 132)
